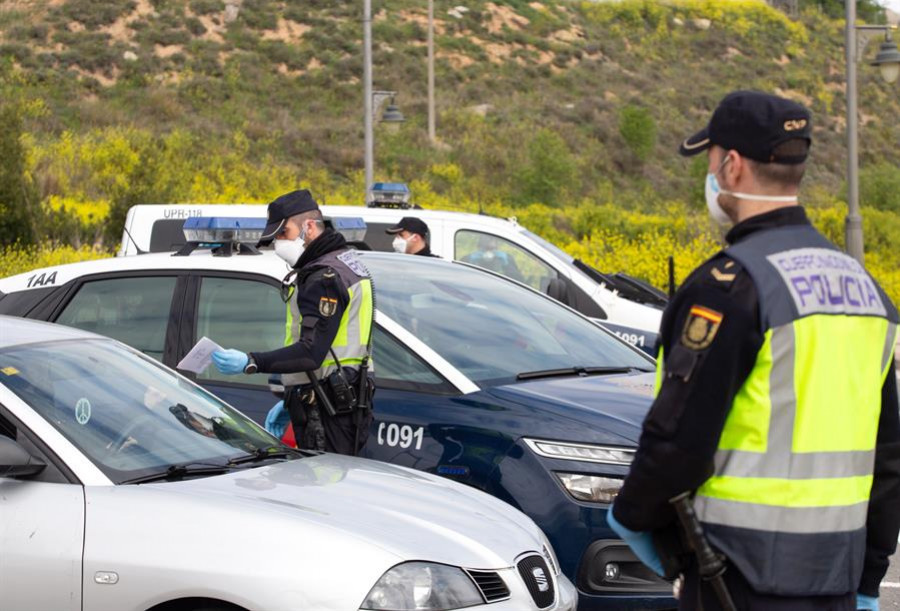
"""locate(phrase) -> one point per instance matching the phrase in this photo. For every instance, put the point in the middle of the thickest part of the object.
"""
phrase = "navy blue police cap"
(754, 124)
(283, 208)
(410, 224)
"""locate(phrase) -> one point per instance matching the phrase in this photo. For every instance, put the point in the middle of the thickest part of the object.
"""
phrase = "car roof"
(268, 263)
(20, 331)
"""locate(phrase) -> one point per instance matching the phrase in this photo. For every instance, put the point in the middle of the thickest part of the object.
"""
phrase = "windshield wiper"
(273, 451)
(176, 472)
(574, 371)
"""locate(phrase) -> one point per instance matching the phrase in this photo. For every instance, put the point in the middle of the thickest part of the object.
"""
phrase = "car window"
(21, 303)
(134, 311)
(504, 257)
(489, 329)
(129, 415)
(398, 368)
(376, 237)
(167, 235)
(242, 314)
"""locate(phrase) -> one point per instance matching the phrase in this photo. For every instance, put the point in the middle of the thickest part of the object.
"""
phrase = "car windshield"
(129, 415)
(555, 250)
(491, 329)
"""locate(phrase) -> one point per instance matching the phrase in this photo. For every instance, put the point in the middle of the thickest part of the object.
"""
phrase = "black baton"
(711, 565)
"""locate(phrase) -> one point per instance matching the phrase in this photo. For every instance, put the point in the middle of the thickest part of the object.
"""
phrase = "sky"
(894, 5)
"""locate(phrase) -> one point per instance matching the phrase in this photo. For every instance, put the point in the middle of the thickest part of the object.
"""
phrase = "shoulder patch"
(350, 259)
(327, 306)
(700, 328)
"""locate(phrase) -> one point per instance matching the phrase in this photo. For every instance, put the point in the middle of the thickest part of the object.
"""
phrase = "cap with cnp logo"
(410, 224)
(283, 208)
(754, 124)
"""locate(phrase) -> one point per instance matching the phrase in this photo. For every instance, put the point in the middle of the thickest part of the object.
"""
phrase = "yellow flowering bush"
(18, 260)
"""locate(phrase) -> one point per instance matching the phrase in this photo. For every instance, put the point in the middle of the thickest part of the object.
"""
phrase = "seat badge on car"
(541, 578)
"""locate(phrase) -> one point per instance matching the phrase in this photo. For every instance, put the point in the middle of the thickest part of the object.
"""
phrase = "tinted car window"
(167, 235)
(241, 314)
(396, 367)
(134, 311)
(377, 238)
(504, 257)
(19, 304)
(490, 329)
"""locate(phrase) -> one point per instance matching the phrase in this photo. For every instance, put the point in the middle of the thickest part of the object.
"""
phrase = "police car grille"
(490, 584)
(538, 580)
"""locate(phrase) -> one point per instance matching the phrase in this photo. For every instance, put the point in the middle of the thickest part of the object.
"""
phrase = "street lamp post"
(888, 59)
(367, 94)
(432, 130)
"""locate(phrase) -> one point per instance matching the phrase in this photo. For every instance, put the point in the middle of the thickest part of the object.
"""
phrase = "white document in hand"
(200, 356)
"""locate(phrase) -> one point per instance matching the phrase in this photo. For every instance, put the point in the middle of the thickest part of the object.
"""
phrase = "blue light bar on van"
(353, 228)
(220, 229)
(389, 195)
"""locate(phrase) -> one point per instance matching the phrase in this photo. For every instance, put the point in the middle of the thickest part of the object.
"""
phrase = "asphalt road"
(890, 586)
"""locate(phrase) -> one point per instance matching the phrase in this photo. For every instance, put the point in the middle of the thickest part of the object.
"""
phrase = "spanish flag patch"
(701, 327)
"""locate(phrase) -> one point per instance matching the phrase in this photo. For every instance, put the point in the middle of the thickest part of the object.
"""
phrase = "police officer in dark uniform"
(776, 395)
(331, 310)
(411, 237)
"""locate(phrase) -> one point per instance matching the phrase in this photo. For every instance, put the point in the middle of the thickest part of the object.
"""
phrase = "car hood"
(359, 504)
(591, 409)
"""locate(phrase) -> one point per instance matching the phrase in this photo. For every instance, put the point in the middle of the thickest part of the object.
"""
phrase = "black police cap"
(754, 124)
(283, 208)
(410, 224)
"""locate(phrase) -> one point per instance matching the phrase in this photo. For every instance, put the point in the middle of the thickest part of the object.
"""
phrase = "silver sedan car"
(124, 486)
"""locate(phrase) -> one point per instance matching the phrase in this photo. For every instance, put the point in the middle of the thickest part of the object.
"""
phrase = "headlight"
(581, 452)
(593, 488)
(423, 586)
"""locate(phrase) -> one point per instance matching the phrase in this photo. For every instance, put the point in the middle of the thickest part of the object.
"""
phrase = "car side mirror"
(15, 461)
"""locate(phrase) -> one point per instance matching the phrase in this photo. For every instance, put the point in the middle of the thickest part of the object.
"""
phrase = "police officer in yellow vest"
(329, 330)
(776, 393)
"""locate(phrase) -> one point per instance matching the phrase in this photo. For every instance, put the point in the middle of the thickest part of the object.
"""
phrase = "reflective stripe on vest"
(351, 342)
(795, 458)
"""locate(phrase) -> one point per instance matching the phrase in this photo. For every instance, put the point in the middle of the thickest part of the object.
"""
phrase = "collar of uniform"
(789, 215)
(425, 252)
(329, 241)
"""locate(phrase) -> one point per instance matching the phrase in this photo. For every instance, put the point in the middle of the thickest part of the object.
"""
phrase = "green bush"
(548, 171)
(638, 129)
(879, 186)
(206, 7)
(96, 13)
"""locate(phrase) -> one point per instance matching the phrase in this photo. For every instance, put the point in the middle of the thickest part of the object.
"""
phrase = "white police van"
(628, 307)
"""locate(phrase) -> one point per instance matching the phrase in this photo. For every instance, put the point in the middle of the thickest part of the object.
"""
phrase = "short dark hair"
(782, 174)
(315, 215)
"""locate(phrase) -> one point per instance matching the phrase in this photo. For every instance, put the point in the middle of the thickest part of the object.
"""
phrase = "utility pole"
(367, 94)
(853, 236)
(432, 134)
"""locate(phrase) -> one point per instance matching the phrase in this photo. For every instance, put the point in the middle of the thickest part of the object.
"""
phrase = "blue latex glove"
(867, 602)
(641, 543)
(277, 420)
(230, 362)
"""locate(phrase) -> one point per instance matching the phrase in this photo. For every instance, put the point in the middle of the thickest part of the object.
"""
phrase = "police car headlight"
(581, 451)
(592, 488)
(422, 586)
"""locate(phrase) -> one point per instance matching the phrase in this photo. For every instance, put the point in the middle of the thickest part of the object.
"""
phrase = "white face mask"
(291, 250)
(399, 245)
(713, 190)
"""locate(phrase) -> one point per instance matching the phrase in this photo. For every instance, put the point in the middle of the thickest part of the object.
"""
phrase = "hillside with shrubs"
(563, 114)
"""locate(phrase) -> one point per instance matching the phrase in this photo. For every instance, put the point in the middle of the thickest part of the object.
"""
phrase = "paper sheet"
(200, 356)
